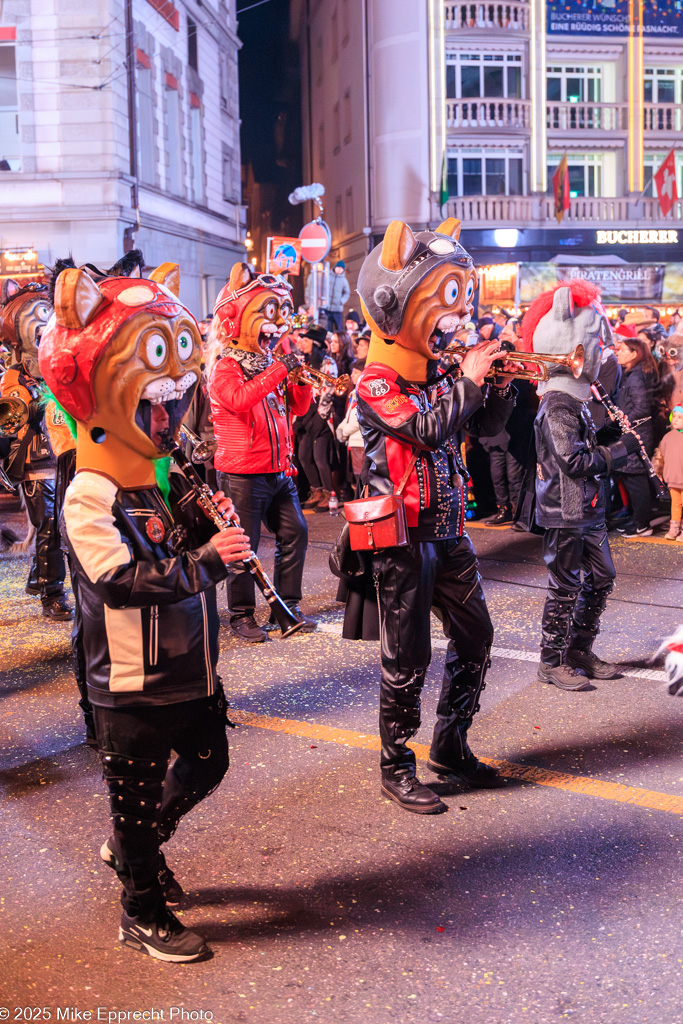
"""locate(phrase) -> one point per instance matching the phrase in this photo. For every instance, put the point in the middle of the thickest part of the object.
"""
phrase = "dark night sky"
(269, 89)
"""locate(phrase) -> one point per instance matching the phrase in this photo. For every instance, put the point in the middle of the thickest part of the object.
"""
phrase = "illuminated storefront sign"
(661, 18)
(646, 237)
(497, 283)
(19, 261)
(646, 282)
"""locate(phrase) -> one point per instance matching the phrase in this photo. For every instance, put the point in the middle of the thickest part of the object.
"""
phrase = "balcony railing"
(539, 211)
(604, 117)
(663, 117)
(513, 16)
(488, 113)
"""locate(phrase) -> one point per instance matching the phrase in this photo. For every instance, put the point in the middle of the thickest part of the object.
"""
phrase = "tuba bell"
(13, 416)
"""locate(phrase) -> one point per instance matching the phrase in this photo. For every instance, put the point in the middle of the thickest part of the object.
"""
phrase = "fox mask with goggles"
(415, 289)
(254, 310)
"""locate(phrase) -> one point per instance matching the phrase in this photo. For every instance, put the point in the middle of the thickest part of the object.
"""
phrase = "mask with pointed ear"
(397, 247)
(563, 304)
(451, 226)
(240, 276)
(8, 288)
(77, 299)
(167, 274)
(396, 268)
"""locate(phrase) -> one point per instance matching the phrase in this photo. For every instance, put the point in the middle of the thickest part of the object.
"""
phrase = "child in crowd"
(668, 461)
(348, 431)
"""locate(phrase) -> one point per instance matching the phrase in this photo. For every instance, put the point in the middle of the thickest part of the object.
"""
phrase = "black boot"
(470, 772)
(593, 666)
(406, 790)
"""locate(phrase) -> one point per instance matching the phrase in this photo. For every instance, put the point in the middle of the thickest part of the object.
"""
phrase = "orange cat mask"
(253, 309)
(122, 356)
(413, 286)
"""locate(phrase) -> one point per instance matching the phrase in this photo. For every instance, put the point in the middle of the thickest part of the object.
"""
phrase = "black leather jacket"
(146, 587)
(570, 465)
(397, 417)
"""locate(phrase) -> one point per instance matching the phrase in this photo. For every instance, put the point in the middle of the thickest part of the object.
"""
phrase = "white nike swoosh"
(145, 931)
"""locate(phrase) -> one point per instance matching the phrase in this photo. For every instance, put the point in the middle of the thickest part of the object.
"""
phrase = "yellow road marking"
(600, 788)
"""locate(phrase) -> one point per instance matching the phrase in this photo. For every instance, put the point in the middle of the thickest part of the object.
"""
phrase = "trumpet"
(13, 416)
(573, 362)
(202, 451)
(318, 379)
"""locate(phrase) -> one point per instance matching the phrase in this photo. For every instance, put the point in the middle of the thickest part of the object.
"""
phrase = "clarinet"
(621, 419)
(286, 620)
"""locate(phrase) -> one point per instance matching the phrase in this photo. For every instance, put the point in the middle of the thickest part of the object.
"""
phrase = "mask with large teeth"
(415, 291)
(23, 316)
(123, 357)
(255, 311)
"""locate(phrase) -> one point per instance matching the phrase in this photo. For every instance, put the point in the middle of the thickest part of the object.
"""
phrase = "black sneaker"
(470, 771)
(57, 608)
(411, 795)
(170, 886)
(166, 939)
(641, 531)
(564, 676)
(503, 517)
(247, 628)
(593, 666)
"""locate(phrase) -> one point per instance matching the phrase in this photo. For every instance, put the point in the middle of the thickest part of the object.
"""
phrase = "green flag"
(444, 194)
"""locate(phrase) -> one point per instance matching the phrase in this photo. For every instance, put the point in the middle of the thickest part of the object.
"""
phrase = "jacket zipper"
(154, 634)
(207, 652)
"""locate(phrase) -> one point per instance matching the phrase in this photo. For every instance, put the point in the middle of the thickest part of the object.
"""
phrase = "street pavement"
(556, 898)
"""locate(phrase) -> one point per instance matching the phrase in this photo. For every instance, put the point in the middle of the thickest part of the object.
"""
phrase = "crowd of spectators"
(642, 370)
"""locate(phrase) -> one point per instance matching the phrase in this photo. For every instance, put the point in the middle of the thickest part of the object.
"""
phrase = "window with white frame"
(197, 143)
(472, 76)
(10, 151)
(663, 85)
(490, 172)
(574, 84)
(144, 95)
(585, 173)
(174, 157)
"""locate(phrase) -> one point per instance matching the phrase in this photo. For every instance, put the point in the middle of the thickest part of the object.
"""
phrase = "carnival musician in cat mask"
(121, 357)
(415, 289)
(32, 462)
(253, 401)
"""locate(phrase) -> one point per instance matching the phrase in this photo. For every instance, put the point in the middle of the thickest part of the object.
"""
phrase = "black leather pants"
(442, 575)
(571, 616)
(147, 797)
(51, 566)
(271, 499)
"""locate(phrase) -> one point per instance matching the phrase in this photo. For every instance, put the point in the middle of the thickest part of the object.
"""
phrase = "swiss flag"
(561, 189)
(665, 180)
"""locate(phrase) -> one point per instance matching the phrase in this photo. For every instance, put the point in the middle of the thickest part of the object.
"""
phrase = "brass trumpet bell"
(202, 451)
(13, 416)
(573, 361)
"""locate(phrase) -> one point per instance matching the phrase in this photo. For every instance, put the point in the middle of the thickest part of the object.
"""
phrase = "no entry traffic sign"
(315, 241)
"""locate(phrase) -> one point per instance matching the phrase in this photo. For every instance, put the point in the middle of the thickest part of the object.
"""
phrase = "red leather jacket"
(248, 417)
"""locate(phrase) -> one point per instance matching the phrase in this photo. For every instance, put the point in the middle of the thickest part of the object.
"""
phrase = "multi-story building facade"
(495, 93)
(119, 126)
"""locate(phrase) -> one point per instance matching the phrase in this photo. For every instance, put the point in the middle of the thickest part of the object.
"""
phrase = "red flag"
(561, 189)
(665, 180)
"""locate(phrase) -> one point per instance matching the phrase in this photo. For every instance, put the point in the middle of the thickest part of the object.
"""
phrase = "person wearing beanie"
(668, 463)
(339, 296)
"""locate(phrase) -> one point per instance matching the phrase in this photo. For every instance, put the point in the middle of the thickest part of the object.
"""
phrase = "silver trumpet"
(202, 451)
